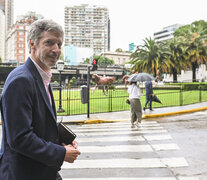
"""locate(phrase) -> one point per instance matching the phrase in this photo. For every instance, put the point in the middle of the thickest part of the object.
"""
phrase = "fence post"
(88, 94)
(110, 100)
(181, 94)
(200, 92)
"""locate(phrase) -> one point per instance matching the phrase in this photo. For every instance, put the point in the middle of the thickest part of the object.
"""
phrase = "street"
(167, 148)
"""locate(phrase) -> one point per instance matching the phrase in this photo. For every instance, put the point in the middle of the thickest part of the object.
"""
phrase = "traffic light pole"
(94, 68)
(88, 85)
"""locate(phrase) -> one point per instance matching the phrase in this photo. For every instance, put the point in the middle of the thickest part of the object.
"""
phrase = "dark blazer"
(30, 147)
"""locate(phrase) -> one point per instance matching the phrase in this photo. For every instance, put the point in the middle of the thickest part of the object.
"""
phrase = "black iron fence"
(115, 98)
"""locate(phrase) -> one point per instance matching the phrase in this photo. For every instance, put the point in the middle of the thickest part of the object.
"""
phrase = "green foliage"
(116, 99)
(149, 57)
(87, 61)
(119, 50)
(188, 49)
(72, 81)
(103, 61)
(194, 37)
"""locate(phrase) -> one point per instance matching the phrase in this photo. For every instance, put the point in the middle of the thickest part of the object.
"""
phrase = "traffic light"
(95, 65)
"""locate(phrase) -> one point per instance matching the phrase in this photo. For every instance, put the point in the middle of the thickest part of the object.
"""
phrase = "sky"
(131, 20)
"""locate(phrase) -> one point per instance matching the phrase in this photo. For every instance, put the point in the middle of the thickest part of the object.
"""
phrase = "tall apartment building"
(2, 35)
(87, 27)
(9, 14)
(166, 33)
(16, 41)
(6, 22)
(2, 5)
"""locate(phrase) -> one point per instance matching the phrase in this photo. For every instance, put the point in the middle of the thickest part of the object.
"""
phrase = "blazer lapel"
(52, 99)
(41, 87)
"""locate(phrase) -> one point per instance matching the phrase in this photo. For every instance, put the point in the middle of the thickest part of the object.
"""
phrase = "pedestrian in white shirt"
(136, 108)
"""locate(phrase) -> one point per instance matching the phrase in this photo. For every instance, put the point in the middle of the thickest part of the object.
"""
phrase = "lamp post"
(60, 68)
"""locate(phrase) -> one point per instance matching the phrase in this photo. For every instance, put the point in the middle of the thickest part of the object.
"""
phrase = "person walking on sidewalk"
(149, 94)
(136, 108)
(30, 146)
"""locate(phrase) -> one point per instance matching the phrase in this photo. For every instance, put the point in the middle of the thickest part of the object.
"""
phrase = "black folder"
(66, 135)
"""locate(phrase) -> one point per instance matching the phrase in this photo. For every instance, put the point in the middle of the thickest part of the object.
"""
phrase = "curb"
(97, 121)
(174, 113)
(147, 116)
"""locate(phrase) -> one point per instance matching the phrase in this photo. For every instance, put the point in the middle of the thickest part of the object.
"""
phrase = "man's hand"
(71, 153)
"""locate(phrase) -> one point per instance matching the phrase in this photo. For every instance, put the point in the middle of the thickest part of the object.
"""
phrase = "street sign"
(131, 47)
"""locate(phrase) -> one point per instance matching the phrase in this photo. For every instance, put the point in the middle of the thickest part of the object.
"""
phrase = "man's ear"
(31, 43)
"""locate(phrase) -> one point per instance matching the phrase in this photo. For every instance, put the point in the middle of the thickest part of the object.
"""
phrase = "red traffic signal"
(95, 61)
(95, 66)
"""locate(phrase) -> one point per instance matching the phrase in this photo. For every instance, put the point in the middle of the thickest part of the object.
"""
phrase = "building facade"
(9, 14)
(2, 5)
(16, 41)
(6, 22)
(87, 27)
(166, 33)
(2, 35)
(120, 58)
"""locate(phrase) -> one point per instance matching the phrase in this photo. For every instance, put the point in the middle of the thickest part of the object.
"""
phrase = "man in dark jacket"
(149, 94)
(30, 146)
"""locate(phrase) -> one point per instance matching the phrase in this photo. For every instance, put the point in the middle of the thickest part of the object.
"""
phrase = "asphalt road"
(183, 145)
(189, 131)
(165, 148)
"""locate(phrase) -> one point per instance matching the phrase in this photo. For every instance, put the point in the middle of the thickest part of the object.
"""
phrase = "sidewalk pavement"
(125, 115)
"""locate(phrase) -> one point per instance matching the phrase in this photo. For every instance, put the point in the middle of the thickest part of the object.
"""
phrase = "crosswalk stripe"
(118, 148)
(117, 126)
(157, 137)
(127, 148)
(110, 139)
(188, 178)
(162, 147)
(137, 178)
(123, 132)
(125, 138)
(115, 129)
(129, 163)
(108, 132)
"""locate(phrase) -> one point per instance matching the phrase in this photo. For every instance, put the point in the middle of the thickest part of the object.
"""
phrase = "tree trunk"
(175, 75)
(194, 66)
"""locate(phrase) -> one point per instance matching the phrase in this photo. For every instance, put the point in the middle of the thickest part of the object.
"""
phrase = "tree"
(176, 56)
(119, 50)
(149, 57)
(102, 61)
(0, 60)
(195, 38)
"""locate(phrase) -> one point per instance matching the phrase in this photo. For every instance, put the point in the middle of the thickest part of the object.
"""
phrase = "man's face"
(47, 51)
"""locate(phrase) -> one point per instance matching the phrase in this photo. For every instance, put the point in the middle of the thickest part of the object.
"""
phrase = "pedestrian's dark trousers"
(148, 100)
(58, 177)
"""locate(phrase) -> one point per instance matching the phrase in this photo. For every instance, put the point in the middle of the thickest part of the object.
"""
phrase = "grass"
(116, 100)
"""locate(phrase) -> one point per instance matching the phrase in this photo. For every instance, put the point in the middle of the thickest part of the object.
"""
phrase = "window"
(21, 58)
(21, 39)
(21, 45)
(21, 33)
(21, 51)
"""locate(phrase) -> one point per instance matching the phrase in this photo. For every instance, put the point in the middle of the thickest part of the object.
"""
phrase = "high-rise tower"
(87, 27)
(9, 14)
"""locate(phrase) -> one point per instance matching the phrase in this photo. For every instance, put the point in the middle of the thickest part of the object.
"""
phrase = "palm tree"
(149, 57)
(195, 38)
(176, 56)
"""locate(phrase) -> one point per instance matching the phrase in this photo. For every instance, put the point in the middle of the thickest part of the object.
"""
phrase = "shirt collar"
(46, 77)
